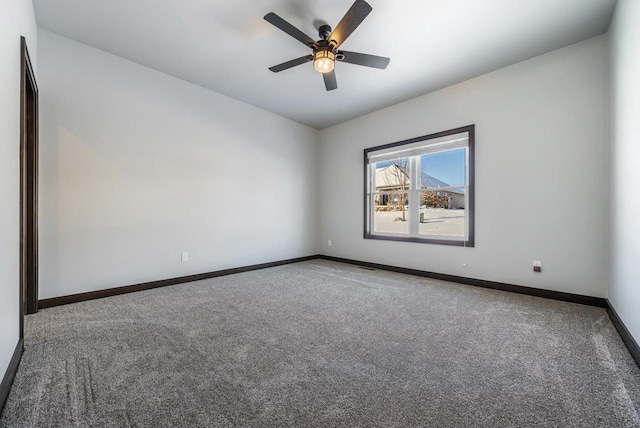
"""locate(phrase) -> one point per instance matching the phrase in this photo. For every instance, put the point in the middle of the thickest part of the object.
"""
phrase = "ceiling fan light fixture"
(324, 61)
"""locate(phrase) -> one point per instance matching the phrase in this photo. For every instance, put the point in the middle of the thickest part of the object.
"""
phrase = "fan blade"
(350, 21)
(330, 81)
(363, 59)
(292, 63)
(289, 29)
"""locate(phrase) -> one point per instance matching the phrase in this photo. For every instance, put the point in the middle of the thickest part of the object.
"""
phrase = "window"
(421, 190)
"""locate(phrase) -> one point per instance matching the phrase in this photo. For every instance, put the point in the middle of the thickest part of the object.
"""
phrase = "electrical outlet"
(184, 257)
(329, 243)
(537, 266)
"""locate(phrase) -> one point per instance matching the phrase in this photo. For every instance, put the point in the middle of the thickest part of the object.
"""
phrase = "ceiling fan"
(325, 50)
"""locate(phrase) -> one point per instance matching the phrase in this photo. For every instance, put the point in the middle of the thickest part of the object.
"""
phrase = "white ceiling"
(227, 46)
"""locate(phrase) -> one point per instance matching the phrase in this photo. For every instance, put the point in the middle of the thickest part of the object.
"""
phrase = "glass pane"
(391, 213)
(442, 213)
(391, 175)
(443, 169)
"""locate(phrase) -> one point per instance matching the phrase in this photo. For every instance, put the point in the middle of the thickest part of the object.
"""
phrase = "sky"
(446, 166)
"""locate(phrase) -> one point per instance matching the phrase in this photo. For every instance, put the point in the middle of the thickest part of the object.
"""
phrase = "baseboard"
(556, 295)
(10, 374)
(626, 336)
(629, 341)
(99, 294)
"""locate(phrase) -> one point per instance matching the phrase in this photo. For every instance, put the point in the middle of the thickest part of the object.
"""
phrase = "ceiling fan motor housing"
(324, 45)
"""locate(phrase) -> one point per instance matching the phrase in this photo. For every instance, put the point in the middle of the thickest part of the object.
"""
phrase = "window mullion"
(414, 195)
(372, 195)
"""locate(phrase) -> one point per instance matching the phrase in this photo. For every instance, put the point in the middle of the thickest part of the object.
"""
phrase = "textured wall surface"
(138, 167)
(541, 173)
(625, 158)
(16, 20)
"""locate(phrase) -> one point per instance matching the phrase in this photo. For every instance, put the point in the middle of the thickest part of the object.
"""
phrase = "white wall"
(137, 166)
(624, 293)
(16, 19)
(541, 138)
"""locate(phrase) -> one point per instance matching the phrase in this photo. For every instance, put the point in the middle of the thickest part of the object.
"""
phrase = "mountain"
(429, 181)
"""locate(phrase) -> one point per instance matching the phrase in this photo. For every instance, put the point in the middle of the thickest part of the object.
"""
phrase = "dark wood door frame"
(28, 187)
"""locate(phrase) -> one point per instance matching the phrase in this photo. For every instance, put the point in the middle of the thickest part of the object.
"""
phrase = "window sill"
(429, 240)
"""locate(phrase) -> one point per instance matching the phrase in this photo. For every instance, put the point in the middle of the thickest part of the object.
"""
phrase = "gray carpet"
(323, 344)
